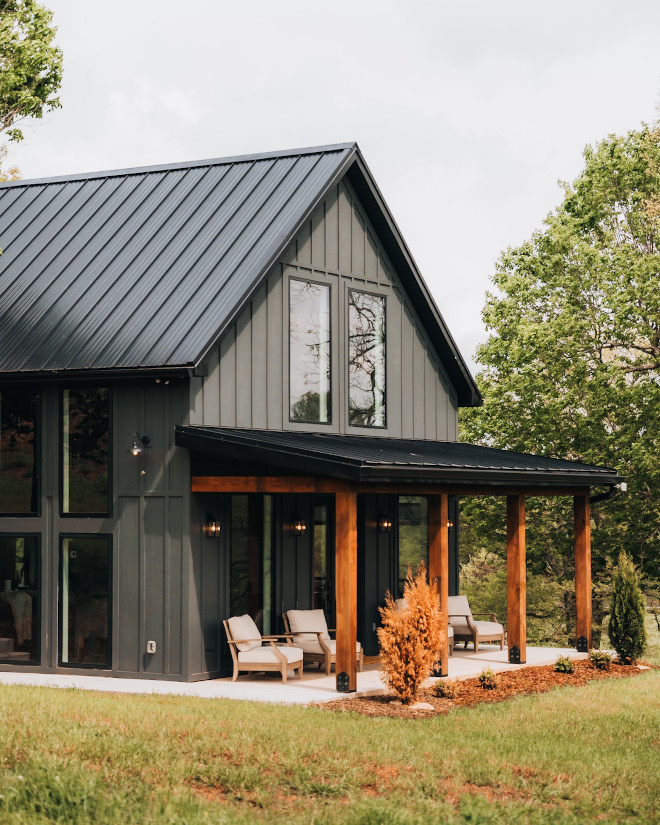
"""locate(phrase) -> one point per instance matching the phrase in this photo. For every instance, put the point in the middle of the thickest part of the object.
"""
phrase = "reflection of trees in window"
(18, 471)
(309, 351)
(85, 455)
(413, 535)
(366, 364)
(19, 599)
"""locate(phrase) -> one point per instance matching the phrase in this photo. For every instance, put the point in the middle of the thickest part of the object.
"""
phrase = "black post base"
(514, 655)
(343, 683)
(582, 645)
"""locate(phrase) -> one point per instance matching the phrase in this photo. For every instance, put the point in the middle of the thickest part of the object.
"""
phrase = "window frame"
(383, 295)
(327, 285)
(14, 534)
(77, 386)
(12, 387)
(85, 665)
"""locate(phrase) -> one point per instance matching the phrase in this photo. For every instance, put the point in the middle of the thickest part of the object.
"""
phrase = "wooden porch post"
(516, 579)
(439, 563)
(346, 590)
(582, 522)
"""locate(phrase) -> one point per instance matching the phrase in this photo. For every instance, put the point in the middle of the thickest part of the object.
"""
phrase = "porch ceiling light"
(212, 528)
(385, 524)
(139, 443)
(299, 527)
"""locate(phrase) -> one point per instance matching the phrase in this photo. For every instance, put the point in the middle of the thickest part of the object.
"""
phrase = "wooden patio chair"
(466, 629)
(250, 654)
(310, 633)
(401, 604)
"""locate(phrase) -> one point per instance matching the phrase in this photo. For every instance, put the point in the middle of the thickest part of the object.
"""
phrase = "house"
(225, 388)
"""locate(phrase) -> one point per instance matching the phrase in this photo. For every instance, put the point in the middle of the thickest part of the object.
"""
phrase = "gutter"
(614, 490)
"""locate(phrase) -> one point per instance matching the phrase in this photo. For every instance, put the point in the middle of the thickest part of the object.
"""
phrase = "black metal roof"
(145, 268)
(362, 458)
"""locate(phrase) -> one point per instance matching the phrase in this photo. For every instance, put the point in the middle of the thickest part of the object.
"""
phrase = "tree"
(30, 65)
(572, 367)
(626, 629)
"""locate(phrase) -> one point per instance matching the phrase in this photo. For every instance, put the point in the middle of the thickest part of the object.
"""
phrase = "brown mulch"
(469, 692)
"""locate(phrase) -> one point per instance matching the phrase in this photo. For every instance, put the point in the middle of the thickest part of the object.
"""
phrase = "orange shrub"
(411, 639)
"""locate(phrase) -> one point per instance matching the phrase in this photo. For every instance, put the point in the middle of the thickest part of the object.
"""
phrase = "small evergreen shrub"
(410, 640)
(487, 679)
(564, 665)
(626, 628)
(600, 659)
(445, 690)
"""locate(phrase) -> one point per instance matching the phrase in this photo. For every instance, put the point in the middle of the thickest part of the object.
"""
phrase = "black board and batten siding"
(246, 384)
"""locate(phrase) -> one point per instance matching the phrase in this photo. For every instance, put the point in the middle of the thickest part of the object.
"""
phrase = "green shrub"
(564, 665)
(445, 690)
(487, 679)
(626, 629)
(600, 659)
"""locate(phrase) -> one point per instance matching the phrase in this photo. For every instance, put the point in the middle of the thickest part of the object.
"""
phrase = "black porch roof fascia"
(368, 459)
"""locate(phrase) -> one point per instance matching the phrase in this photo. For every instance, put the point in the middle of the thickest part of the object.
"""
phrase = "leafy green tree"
(30, 65)
(626, 629)
(572, 366)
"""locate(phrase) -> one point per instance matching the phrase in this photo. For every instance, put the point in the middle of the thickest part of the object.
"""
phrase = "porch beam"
(516, 579)
(325, 484)
(582, 537)
(439, 565)
(346, 590)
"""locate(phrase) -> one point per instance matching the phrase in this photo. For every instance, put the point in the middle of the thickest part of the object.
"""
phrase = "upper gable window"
(366, 360)
(309, 352)
(85, 451)
(19, 479)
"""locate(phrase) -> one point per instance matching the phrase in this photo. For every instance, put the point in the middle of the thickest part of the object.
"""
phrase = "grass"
(569, 756)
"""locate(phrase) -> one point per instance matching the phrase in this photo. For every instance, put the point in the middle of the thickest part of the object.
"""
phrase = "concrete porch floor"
(313, 687)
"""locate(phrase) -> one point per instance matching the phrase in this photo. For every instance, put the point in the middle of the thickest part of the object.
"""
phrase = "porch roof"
(364, 458)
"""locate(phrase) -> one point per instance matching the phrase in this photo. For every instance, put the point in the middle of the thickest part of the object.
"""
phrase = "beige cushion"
(458, 606)
(307, 620)
(489, 628)
(450, 632)
(400, 605)
(310, 646)
(266, 654)
(460, 628)
(243, 627)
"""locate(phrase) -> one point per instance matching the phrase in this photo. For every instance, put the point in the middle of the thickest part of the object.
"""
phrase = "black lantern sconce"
(139, 443)
(385, 524)
(212, 528)
(298, 527)
(450, 525)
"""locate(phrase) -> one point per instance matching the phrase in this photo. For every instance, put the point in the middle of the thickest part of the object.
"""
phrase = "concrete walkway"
(314, 687)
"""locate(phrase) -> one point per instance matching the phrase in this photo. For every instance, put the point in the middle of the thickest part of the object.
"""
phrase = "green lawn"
(570, 756)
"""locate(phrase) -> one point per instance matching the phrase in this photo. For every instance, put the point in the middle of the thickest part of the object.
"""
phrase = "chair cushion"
(243, 627)
(489, 628)
(461, 629)
(307, 620)
(450, 632)
(400, 605)
(458, 606)
(310, 646)
(266, 654)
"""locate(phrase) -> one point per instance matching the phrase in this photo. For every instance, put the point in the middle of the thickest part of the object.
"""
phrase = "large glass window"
(251, 574)
(309, 352)
(18, 454)
(366, 360)
(19, 599)
(85, 570)
(322, 594)
(85, 451)
(413, 535)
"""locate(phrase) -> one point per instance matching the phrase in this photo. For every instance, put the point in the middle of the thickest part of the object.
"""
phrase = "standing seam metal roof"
(145, 268)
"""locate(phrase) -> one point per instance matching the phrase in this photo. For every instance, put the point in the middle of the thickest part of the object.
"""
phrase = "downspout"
(614, 489)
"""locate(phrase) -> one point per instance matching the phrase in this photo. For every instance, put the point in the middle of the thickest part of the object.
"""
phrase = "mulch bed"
(469, 692)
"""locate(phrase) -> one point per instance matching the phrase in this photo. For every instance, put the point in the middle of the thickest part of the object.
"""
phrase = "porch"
(315, 686)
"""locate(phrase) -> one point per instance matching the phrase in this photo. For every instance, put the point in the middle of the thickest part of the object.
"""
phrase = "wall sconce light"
(299, 527)
(385, 524)
(139, 443)
(450, 524)
(212, 528)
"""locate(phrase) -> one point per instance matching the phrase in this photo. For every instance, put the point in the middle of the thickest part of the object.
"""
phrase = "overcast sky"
(467, 112)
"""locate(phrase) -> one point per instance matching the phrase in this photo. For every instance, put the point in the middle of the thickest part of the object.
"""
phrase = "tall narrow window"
(366, 360)
(251, 559)
(84, 600)
(85, 451)
(413, 535)
(19, 599)
(309, 352)
(19, 491)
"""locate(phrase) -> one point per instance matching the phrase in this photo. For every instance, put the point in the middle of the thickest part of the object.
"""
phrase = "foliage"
(626, 627)
(488, 679)
(30, 65)
(12, 173)
(444, 689)
(564, 665)
(411, 639)
(600, 659)
(572, 366)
